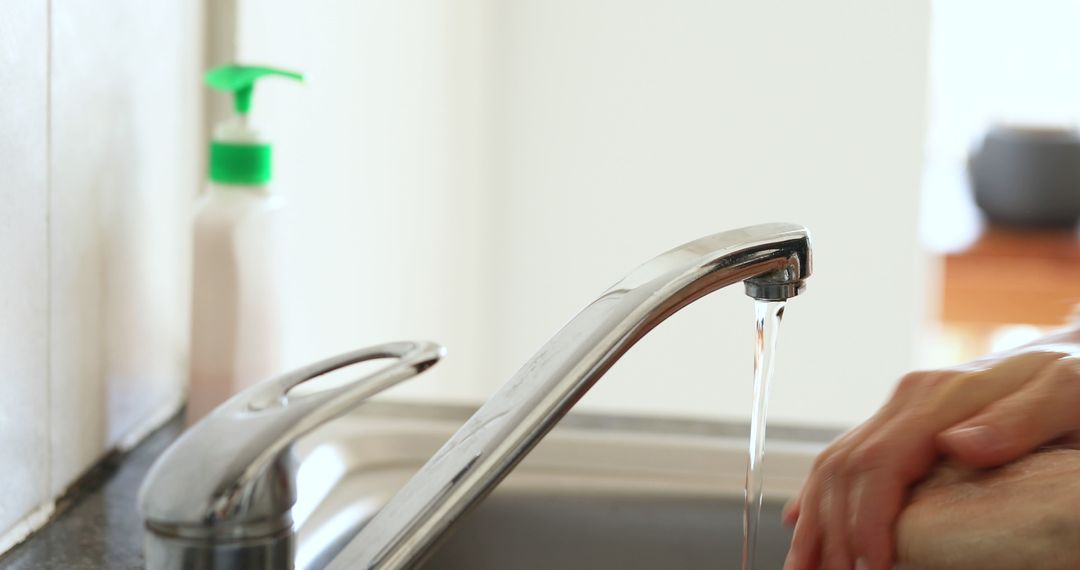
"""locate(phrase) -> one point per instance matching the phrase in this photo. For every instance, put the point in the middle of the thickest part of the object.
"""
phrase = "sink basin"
(545, 528)
(598, 492)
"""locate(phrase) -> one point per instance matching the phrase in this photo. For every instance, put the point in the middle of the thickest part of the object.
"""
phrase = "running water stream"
(767, 322)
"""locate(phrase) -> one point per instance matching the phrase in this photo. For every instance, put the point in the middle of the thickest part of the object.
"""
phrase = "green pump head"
(237, 157)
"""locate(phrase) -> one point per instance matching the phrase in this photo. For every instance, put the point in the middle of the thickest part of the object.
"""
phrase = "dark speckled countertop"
(97, 525)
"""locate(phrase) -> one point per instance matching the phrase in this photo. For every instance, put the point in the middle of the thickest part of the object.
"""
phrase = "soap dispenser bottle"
(236, 299)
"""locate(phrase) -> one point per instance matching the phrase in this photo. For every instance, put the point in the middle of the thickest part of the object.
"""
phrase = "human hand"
(1024, 515)
(982, 414)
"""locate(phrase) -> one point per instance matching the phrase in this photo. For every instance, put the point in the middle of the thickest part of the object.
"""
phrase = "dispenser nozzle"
(240, 80)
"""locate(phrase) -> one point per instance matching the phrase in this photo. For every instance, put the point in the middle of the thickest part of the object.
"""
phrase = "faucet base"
(178, 553)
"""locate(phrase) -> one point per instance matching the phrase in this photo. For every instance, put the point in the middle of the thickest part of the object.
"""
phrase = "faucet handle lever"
(232, 474)
(412, 359)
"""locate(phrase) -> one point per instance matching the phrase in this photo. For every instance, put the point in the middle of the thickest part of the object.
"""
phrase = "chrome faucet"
(219, 499)
(221, 496)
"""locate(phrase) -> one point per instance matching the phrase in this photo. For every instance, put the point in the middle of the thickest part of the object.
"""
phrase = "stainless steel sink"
(556, 527)
(599, 492)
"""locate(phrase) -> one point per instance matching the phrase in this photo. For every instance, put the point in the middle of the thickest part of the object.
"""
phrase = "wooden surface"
(1011, 276)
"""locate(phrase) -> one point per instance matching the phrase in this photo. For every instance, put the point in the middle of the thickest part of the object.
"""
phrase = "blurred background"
(475, 172)
(478, 175)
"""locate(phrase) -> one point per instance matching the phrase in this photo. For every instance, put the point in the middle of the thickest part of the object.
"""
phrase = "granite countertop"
(97, 524)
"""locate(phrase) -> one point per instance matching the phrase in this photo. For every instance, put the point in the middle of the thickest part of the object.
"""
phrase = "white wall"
(377, 155)
(100, 123)
(627, 127)
(476, 172)
(24, 262)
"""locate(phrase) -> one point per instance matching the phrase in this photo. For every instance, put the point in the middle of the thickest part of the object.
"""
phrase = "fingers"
(901, 449)
(875, 504)
(805, 549)
(900, 452)
(967, 391)
(834, 514)
(844, 514)
(791, 509)
(880, 472)
(1042, 410)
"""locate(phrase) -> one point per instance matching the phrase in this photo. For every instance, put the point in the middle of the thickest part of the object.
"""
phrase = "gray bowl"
(1028, 176)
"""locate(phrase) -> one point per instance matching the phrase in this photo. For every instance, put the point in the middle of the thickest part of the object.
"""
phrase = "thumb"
(1042, 410)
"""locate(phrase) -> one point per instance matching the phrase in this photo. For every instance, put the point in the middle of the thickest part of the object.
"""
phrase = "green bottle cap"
(242, 162)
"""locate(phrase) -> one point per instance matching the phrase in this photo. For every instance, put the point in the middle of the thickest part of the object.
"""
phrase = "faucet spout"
(772, 259)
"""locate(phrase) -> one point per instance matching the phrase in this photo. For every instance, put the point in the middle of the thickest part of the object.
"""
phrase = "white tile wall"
(124, 129)
(99, 125)
(24, 281)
